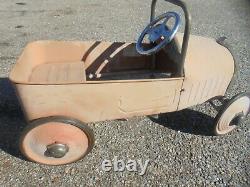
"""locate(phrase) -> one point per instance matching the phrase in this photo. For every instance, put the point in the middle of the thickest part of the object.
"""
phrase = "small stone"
(73, 171)
(54, 178)
(67, 170)
(19, 26)
(21, 3)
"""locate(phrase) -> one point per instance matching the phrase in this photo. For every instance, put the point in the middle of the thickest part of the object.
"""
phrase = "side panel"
(101, 101)
(209, 68)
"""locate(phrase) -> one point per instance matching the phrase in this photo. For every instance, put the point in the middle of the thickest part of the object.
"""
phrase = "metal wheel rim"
(239, 105)
(83, 139)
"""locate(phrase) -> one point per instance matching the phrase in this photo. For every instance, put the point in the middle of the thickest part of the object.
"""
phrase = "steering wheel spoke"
(156, 33)
(167, 33)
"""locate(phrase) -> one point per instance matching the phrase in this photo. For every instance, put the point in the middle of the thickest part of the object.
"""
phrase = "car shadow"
(12, 120)
(187, 121)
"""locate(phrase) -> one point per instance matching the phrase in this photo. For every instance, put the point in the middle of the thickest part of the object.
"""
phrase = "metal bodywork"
(50, 79)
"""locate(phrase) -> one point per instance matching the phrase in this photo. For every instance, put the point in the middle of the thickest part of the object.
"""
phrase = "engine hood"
(209, 68)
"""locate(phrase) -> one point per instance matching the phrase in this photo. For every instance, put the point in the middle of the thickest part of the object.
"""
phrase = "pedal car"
(63, 85)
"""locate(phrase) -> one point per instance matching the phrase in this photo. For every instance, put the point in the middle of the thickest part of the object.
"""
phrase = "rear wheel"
(232, 114)
(56, 140)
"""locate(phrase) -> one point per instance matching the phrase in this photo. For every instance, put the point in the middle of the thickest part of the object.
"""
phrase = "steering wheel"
(158, 34)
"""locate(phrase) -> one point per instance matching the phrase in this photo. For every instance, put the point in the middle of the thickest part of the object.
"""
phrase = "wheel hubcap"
(56, 150)
(238, 119)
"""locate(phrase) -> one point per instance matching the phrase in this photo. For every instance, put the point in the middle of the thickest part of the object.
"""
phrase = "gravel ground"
(179, 147)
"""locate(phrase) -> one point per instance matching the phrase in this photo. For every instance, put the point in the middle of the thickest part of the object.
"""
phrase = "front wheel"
(56, 140)
(232, 114)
